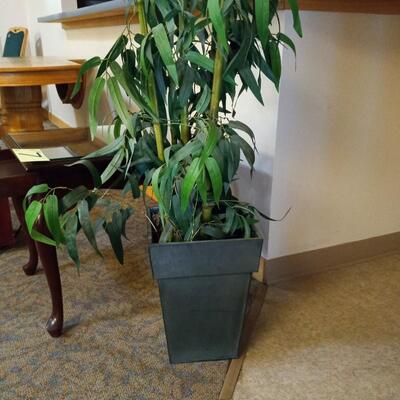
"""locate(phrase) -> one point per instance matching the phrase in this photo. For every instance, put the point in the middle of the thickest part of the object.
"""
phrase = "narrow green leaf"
(73, 197)
(71, 231)
(200, 60)
(32, 214)
(243, 127)
(114, 233)
(276, 61)
(37, 189)
(86, 223)
(39, 237)
(87, 66)
(93, 103)
(113, 166)
(119, 104)
(218, 23)
(108, 150)
(51, 216)
(92, 169)
(113, 54)
(262, 20)
(204, 100)
(250, 81)
(215, 176)
(246, 149)
(286, 40)
(296, 17)
(189, 181)
(164, 48)
(134, 184)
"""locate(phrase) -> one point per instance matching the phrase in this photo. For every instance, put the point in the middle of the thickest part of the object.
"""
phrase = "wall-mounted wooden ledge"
(354, 6)
(114, 12)
(104, 14)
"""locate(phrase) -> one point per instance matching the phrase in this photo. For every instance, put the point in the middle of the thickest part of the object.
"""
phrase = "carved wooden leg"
(6, 232)
(48, 257)
(21, 109)
(31, 267)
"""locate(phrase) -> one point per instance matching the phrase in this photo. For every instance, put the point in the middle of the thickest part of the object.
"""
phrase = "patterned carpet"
(114, 345)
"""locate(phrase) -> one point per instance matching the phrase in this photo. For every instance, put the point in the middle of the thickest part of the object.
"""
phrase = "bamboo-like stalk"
(185, 131)
(152, 87)
(217, 82)
(214, 108)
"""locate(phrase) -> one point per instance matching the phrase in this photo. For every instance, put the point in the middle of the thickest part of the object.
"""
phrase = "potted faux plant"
(184, 70)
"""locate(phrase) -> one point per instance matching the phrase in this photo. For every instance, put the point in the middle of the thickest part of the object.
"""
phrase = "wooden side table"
(17, 178)
(21, 79)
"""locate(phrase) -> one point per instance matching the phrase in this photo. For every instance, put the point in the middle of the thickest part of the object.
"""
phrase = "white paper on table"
(30, 155)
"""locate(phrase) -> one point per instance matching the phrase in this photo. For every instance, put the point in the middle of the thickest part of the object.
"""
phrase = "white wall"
(338, 139)
(13, 13)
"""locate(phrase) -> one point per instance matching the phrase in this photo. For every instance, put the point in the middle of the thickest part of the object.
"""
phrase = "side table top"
(23, 64)
(37, 71)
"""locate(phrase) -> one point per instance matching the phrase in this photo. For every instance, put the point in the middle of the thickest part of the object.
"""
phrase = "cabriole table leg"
(31, 266)
(48, 257)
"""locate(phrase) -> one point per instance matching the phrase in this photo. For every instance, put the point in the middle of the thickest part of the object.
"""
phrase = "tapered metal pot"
(204, 288)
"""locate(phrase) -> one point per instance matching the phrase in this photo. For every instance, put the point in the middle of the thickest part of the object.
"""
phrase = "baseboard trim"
(312, 262)
(54, 119)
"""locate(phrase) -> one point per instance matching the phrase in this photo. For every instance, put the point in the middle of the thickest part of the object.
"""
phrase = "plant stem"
(185, 132)
(217, 82)
(152, 87)
(214, 109)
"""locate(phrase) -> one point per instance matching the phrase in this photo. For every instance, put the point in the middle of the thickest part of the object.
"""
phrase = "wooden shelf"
(104, 14)
(114, 12)
(354, 6)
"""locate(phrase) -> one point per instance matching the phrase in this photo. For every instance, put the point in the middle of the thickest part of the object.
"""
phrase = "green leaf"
(243, 127)
(86, 223)
(113, 166)
(73, 197)
(202, 186)
(215, 176)
(211, 141)
(164, 48)
(71, 231)
(93, 103)
(92, 169)
(296, 17)
(214, 232)
(246, 149)
(39, 237)
(113, 54)
(134, 184)
(204, 100)
(217, 20)
(276, 61)
(191, 176)
(32, 214)
(113, 230)
(37, 189)
(262, 20)
(108, 150)
(190, 148)
(88, 65)
(286, 40)
(119, 104)
(250, 81)
(205, 63)
(200, 60)
(50, 211)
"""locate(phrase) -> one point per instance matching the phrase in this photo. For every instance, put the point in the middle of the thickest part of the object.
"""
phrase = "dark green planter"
(203, 290)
